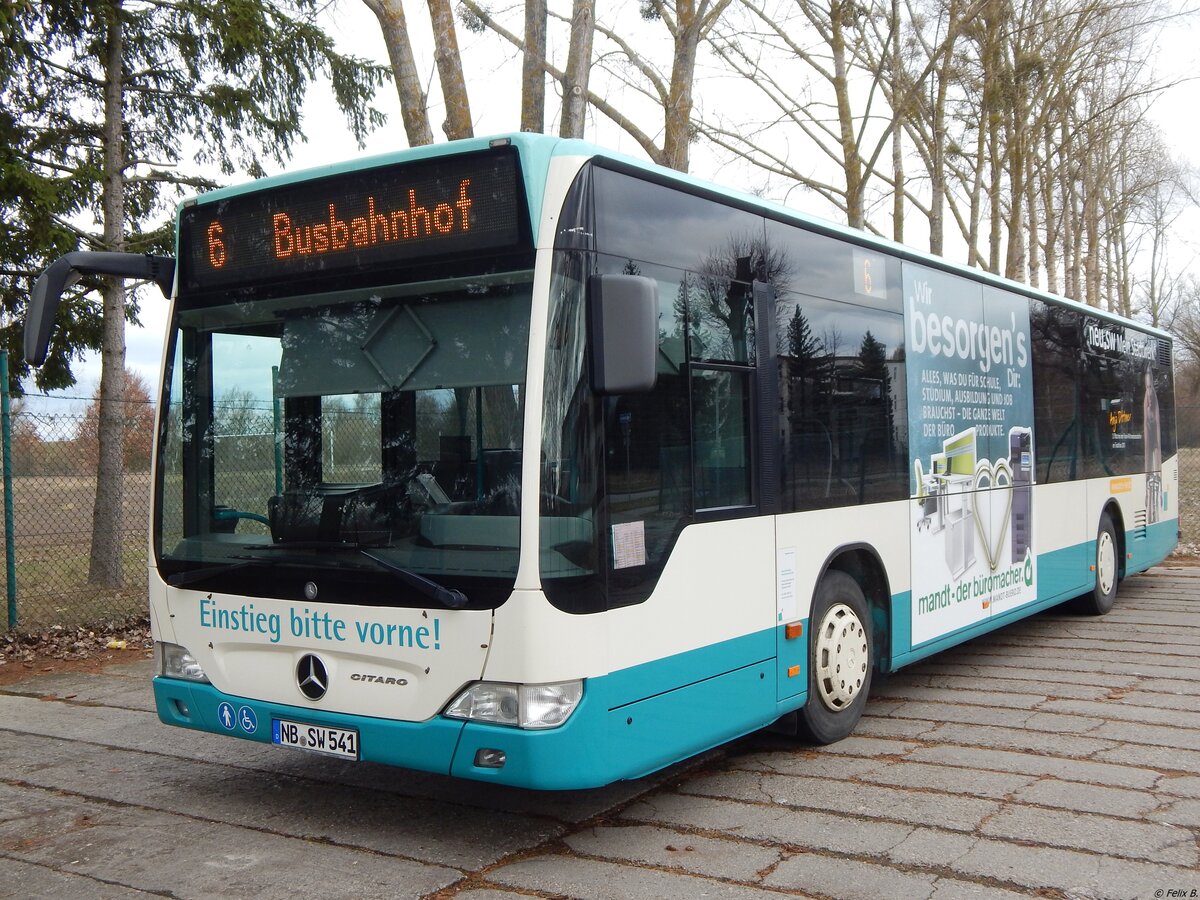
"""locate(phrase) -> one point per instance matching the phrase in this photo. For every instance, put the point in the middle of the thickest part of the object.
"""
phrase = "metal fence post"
(277, 430)
(10, 554)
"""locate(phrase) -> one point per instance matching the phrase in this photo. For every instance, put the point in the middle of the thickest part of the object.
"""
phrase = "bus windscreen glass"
(354, 222)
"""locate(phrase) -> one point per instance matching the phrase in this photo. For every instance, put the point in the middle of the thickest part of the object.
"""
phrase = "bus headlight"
(174, 661)
(519, 705)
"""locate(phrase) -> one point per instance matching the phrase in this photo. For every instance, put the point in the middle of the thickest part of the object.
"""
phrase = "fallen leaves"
(74, 642)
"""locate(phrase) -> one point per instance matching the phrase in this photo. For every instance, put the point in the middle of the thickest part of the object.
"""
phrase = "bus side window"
(843, 393)
(1056, 387)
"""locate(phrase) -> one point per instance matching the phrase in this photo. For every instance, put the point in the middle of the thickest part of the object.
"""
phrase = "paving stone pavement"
(1059, 757)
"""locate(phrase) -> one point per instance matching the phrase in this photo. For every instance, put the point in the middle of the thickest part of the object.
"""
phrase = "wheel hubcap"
(1106, 562)
(842, 657)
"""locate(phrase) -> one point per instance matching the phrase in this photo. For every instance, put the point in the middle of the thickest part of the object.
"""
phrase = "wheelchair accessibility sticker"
(244, 718)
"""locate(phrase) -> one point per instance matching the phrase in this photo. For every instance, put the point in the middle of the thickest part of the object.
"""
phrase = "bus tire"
(1103, 594)
(841, 657)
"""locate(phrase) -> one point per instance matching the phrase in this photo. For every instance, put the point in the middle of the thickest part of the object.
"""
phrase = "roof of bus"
(536, 151)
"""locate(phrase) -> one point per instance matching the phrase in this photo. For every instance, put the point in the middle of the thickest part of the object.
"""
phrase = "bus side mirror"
(66, 271)
(623, 333)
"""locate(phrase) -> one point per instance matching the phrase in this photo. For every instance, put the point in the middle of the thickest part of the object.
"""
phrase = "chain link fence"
(1189, 501)
(54, 447)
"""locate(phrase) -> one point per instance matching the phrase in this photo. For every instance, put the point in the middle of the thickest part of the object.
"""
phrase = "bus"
(517, 460)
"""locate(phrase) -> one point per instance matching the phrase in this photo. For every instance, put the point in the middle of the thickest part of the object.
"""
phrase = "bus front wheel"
(841, 657)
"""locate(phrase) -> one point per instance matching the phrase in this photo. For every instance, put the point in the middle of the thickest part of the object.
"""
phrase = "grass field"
(53, 519)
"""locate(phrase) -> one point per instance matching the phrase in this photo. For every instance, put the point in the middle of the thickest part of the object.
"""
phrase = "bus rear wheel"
(1103, 594)
(841, 657)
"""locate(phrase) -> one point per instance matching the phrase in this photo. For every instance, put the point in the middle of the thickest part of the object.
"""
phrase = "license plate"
(339, 742)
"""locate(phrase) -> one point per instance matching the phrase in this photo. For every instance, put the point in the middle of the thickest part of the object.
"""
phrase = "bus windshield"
(373, 436)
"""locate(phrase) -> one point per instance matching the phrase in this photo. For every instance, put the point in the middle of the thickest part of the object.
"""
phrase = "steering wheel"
(227, 514)
(555, 504)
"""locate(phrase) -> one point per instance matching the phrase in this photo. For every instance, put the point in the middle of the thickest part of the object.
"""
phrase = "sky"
(496, 109)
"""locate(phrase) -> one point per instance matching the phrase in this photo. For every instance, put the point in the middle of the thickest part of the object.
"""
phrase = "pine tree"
(802, 344)
(102, 102)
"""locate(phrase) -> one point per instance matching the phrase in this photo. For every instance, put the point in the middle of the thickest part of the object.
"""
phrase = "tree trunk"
(533, 72)
(1033, 227)
(937, 150)
(579, 66)
(1050, 205)
(1118, 270)
(104, 566)
(976, 210)
(995, 190)
(995, 168)
(897, 130)
(1015, 261)
(449, 65)
(1155, 294)
(856, 216)
(1014, 251)
(937, 180)
(1068, 173)
(600, 104)
(413, 103)
(1091, 227)
(677, 133)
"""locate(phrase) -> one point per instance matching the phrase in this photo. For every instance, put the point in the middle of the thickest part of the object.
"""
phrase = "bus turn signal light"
(794, 630)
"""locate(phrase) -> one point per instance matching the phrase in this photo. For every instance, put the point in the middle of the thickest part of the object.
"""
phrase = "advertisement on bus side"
(971, 470)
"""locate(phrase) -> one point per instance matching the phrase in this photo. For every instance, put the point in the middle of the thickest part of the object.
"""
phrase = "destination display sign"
(357, 221)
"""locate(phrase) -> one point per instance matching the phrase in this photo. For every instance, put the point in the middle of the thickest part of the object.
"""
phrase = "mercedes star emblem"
(312, 677)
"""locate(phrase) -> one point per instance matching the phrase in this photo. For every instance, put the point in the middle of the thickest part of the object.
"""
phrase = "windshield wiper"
(448, 597)
(179, 579)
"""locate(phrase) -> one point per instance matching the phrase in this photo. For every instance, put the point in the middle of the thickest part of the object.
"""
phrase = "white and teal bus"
(520, 461)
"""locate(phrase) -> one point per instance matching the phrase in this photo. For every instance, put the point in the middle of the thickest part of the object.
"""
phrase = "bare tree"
(1046, 106)
(536, 65)
(533, 73)
(687, 23)
(1167, 190)
(856, 79)
(449, 65)
(770, 47)
(413, 102)
(1186, 326)
(579, 67)
(920, 93)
